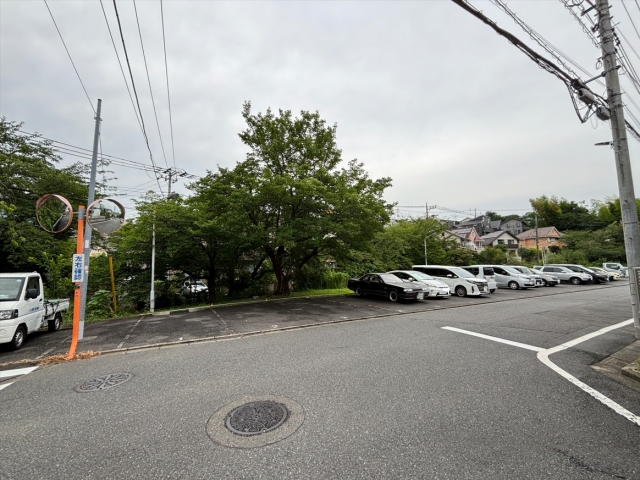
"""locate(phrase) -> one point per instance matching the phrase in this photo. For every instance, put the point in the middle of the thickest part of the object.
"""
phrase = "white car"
(193, 288)
(435, 288)
(461, 282)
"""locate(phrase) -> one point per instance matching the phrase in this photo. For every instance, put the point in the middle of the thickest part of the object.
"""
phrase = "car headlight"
(408, 290)
(8, 314)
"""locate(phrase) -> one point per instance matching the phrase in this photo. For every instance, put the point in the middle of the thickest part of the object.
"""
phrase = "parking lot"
(252, 318)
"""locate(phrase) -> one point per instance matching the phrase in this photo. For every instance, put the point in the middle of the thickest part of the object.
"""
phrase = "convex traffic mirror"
(54, 213)
(105, 216)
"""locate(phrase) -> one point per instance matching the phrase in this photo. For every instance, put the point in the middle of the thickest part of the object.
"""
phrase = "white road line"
(5, 385)
(16, 372)
(495, 339)
(543, 356)
(129, 334)
(46, 352)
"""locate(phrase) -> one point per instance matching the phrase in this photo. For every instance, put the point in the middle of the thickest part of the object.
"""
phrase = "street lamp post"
(152, 293)
(425, 247)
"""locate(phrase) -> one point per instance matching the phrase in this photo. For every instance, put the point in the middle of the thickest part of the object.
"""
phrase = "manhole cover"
(256, 418)
(255, 421)
(104, 382)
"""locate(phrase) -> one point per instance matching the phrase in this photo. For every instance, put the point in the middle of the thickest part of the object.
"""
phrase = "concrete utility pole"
(537, 249)
(621, 151)
(87, 236)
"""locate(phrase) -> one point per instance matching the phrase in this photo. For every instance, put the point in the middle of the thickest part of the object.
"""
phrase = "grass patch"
(330, 291)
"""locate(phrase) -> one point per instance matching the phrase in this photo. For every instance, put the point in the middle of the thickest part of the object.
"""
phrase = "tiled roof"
(542, 232)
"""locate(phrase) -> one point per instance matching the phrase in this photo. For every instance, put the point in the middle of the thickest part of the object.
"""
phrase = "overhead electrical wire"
(135, 92)
(124, 77)
(153, 102)
(166, 69)
(69, 54)
(630, 19)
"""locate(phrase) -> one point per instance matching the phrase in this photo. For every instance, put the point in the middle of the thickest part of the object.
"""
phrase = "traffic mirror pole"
(77, 277)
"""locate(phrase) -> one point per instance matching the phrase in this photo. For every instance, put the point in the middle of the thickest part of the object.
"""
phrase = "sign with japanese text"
(77, 268)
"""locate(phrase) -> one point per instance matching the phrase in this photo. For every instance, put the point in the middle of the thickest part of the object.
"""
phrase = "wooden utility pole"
(621, 152)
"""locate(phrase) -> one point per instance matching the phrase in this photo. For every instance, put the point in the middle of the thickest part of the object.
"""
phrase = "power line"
(166, 69)
(69, 54)
(153, 102)
(124, 77)
(135, 92)
(630, 19)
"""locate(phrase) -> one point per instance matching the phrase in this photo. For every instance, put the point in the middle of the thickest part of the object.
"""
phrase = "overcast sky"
(421, 91)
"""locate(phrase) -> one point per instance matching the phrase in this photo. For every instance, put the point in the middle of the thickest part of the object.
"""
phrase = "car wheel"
(359, 292)
(393, 296)
(575, 281)
(461, 291)
(513, 285)
(544, 283)
(18, 338)
(54, 325)
(492, 290)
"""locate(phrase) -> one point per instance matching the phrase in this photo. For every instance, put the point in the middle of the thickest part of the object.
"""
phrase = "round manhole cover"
(255, 421)
(103, 382)
(255, 418)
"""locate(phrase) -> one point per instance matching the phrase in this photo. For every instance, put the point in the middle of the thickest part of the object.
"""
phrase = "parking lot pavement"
(242, 319)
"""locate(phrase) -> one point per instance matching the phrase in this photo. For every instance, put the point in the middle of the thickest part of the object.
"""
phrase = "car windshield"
(525, 270)
(512, 270)
(461, 272)
(10, 288)
(389, 278)
(421, 276)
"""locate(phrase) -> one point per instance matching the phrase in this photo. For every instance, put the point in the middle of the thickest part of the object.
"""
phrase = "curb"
(632, 372)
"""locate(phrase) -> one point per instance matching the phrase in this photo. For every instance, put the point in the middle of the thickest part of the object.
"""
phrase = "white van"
(486, 272)
(461, 282)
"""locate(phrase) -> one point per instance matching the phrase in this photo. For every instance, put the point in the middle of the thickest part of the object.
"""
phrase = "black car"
(386, 285)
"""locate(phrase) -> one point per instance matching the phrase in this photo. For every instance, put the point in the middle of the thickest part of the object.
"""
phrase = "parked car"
(461, 282)
(548, 279)
(193, 288)
(509, 277)
(482, 271)
(564, 274)
(597, 277)
(386, 285)
(616, 267)
(610, 275)
(435, 288)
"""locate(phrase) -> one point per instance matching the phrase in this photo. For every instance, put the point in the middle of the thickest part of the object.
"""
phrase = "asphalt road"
(393, 396)
(184, 326)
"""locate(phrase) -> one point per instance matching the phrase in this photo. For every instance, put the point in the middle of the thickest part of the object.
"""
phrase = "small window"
(34, 282)
(510, 242)
(501, 242)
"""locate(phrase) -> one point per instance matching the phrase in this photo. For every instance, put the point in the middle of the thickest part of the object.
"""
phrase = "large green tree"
(291, 199)
(27, 171)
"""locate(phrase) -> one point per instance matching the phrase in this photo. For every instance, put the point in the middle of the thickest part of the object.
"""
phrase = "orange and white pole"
(78, 286)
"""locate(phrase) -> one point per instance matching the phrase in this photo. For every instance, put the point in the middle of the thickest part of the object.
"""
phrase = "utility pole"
(87, 236)
(621, 152)
(152, 294)
(537, 249)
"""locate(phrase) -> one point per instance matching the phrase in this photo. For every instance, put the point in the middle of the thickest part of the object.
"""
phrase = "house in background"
(482, 224)
(472, 239)
(547, 237)
(515, 226)
(501, 237)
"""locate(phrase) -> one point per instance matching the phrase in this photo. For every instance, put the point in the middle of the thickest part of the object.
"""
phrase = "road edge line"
(543, 356)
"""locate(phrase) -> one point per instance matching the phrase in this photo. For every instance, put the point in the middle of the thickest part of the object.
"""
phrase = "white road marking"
(543, 356)
(5, 385)
(495, 339)
(129, 334)
(16, 372)
(46, 352)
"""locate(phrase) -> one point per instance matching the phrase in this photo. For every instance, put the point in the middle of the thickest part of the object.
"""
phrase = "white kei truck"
(23, 308)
